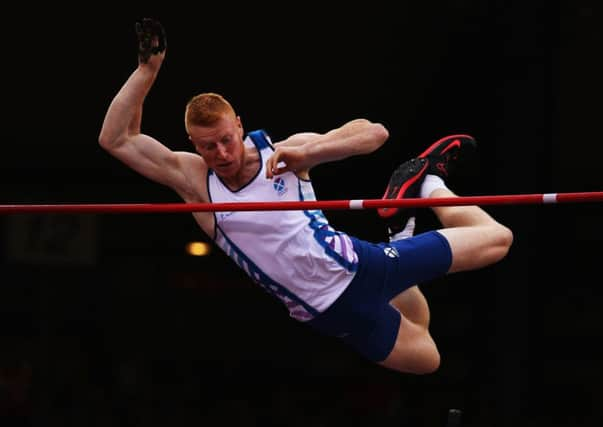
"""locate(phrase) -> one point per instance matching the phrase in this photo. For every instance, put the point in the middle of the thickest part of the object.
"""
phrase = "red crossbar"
(512, 199)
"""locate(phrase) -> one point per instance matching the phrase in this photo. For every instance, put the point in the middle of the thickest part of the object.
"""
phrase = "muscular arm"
(121, 132)
(300, 152)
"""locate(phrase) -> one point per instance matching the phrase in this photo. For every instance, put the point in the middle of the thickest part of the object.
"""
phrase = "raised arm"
(301, 151)
(121, 132)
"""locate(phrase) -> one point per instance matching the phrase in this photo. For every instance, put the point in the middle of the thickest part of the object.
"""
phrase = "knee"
(419, 358)
(429, 363)
(499, 241)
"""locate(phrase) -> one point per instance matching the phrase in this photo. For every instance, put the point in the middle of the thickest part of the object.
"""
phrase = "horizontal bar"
(512, 199)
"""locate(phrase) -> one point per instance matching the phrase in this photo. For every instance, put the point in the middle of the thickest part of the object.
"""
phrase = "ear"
(240, 125)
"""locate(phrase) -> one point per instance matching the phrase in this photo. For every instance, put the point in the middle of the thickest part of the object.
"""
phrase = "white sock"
(407, 232)
(430, 183)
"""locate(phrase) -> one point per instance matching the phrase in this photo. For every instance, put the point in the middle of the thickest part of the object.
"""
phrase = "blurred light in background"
(198, 248)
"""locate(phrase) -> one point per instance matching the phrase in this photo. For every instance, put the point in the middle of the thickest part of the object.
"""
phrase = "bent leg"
(414, 351)
(413, 305)
(476, 239)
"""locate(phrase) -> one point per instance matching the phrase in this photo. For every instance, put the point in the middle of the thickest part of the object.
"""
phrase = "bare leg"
(413, 305)
(476, 239)
(415, 350)
(411, 302)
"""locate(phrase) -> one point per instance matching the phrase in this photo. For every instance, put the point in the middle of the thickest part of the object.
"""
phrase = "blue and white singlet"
(294, 255)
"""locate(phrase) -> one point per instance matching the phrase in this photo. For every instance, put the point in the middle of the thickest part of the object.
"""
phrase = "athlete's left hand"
(285, 159)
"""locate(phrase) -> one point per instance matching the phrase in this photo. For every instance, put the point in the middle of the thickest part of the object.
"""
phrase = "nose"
(222, 152)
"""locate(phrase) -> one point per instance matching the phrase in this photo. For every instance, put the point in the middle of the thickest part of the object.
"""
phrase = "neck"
(249, 167)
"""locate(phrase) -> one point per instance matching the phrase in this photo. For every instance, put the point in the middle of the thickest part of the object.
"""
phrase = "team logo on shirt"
(391, 252)
(279, 185)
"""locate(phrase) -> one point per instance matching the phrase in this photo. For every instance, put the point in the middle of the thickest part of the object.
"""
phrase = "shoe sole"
(389, 212)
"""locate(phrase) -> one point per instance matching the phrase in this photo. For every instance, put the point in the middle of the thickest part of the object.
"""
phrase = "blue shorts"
(362, 316)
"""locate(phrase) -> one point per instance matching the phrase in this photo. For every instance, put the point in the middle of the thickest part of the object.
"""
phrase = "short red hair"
(206, 109)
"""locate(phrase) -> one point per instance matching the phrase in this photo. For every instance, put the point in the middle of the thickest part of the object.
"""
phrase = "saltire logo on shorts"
(391, 252)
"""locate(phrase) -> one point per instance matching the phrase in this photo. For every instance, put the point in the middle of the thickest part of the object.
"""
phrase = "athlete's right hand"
(151, 39)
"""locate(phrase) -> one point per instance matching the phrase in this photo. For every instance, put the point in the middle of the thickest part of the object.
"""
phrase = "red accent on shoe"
(455, 143)
(442, 168)
(389, 212)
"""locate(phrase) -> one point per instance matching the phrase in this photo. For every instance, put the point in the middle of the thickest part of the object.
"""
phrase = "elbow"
(370, 135)
(107, 144)
(109, 141)
(506, 240)
(379, 134)
(373, 134)
(104, 141)
(382, 133)
(105, 138)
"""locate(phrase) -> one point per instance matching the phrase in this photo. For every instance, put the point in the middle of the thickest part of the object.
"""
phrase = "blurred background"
(106, 321)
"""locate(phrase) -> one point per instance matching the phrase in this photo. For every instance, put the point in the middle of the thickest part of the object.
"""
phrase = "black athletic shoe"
(404, 183)
(443, 153)
(438, 159)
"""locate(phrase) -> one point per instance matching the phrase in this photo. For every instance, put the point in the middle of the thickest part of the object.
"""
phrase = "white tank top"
(294, 255)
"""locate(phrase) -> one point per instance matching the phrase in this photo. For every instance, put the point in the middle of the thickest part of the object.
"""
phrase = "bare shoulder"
(194, 171)
(190, 160)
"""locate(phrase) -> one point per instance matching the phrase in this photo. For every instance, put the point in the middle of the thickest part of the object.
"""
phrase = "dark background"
(105, 321)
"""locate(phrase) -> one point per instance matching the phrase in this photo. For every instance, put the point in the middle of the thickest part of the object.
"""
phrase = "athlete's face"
(221, 145)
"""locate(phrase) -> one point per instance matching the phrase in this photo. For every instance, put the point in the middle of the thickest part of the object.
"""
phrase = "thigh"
(414, 350)
(475, 247)
(379, 342)
(419, 259)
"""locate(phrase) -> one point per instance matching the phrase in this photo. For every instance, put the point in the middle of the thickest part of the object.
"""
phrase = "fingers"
(271, 165)
(151, 38)
(271, 169)
(144, 42)
(161, 39)
(274, 166)
(271, 173)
